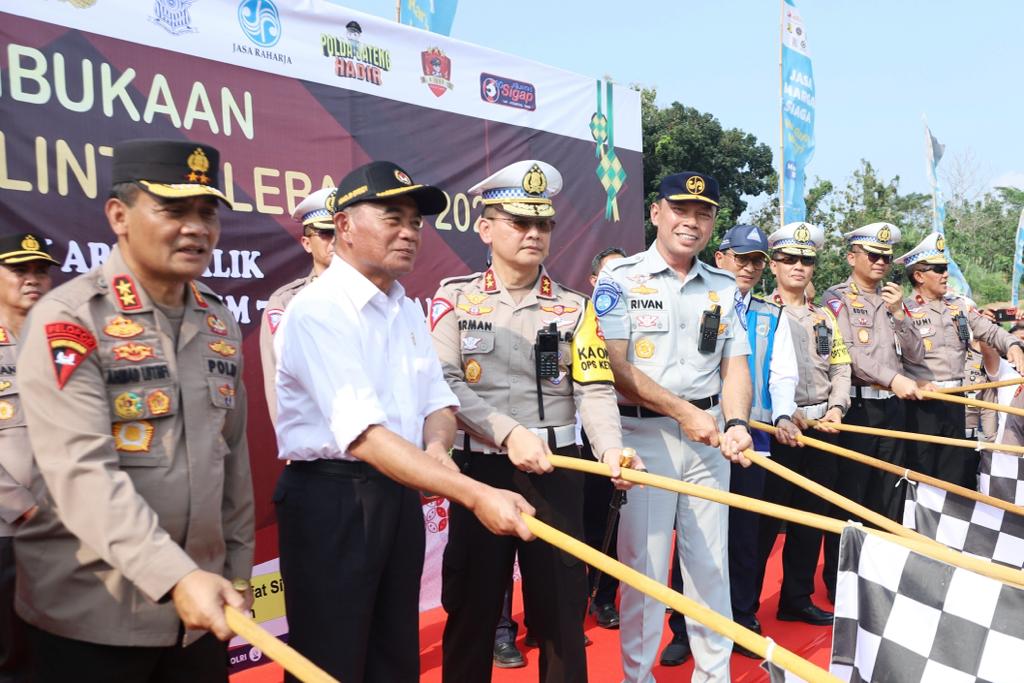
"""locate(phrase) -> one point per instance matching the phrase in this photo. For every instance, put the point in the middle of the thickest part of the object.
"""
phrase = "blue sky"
(878, 67)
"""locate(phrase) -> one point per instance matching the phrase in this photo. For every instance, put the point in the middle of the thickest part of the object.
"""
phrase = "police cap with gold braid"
(22, 247)
(524, 188)
(689, 186)
(170, 169)
(381, 180)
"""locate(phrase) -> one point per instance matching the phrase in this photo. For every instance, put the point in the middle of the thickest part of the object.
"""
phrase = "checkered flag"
(1001, 475)
(966, 525)
(901, 617)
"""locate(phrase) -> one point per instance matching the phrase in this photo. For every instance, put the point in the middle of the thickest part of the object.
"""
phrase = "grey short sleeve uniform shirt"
(642, 300)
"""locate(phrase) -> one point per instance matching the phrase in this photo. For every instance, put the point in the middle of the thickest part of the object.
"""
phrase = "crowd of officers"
(124, 467)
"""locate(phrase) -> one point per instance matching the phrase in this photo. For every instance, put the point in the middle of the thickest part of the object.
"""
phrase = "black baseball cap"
(689, 186)
(22, 247)
(379, 180)
(169, 168)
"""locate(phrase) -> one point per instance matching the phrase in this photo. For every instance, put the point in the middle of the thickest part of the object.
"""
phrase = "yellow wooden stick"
(925, 438)
(897, 470)
(908, 538)
(983, 385)
(999, 407)
(289, 658)
(659, 591)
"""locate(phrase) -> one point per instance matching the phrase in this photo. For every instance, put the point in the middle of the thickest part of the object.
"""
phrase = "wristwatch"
(736, 421)
(780, 418)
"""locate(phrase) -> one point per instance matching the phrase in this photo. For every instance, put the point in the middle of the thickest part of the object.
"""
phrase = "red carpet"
(810, 642)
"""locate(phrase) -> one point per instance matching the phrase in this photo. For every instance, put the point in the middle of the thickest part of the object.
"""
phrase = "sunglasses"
(754, 260)
(791, 259)
(939, 268)
(875, 258)
(525, 224)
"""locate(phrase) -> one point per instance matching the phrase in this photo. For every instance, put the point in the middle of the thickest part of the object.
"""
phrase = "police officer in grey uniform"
(823, 394)
(24, 278)
(515, 347)
(880, 338)
(679, 354)
(130, 378)
(946, 324)
(317, 241)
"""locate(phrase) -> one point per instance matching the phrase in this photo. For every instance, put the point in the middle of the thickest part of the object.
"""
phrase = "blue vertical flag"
(1018, 264)
(934, 150)
(432, 15)
(797, 112)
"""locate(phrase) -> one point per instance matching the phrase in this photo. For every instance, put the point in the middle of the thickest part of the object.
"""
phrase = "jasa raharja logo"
(355, 59)
(261, 24)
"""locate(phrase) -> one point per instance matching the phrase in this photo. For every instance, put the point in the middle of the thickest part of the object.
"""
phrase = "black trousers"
(954, 464)
(478, 565)
(597, 495)
(14, 666)
(352, 544)
(803, 543)
(56, 659)
(864, 484)
(744, 526)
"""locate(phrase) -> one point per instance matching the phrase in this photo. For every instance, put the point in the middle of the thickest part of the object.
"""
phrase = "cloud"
(1009, 179)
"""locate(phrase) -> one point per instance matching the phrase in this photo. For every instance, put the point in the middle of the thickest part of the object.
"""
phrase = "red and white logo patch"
(70, 345)
(439, 308)
(835, 304)
(274, 319)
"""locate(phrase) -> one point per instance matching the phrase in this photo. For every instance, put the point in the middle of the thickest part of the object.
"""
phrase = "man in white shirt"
(366, 419)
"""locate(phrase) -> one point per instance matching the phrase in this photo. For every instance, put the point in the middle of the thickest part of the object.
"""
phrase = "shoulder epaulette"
(614, 264)
(459, 278)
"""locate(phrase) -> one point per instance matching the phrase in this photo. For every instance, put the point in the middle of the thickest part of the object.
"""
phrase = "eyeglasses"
(939, 268)
(875, 258)
(791, 259)
(322, 234)
(755, 261)
(525, 224)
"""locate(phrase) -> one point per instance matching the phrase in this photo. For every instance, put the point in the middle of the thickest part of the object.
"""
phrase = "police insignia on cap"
(133, 437)
(802, 234)
(402, 177)
(695, 184)
(198, 165)
(30, 243)
(940, 243)
(535, 182)
(329, 203)
(884, 233)
(128, 405)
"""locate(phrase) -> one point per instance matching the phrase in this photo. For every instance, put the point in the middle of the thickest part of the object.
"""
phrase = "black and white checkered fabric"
(1001, 475)
(902, 617)
(776, 674)
(966, 525)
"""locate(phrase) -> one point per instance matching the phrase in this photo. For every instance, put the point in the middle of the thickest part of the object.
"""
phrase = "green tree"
(679, 138)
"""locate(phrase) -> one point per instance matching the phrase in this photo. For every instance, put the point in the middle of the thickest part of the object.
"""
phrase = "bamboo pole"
(925, 438)
(984, 385)
(716, 622)
(898, 471)
(972, 402)
(289, 658)
(908, 538)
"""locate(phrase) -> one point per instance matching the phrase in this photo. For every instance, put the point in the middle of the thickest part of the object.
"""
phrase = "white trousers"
(702, 542)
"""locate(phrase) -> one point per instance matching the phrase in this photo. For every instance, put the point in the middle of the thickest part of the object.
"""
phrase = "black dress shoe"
(738, 649)
(676, 652)
(508, 656)
(812, 614)
(606, 615)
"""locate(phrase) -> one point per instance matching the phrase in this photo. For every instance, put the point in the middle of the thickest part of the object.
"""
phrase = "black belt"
(640, 411)
(346, 468)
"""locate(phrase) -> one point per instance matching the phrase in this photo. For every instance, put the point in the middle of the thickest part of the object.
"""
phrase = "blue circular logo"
(260, 22)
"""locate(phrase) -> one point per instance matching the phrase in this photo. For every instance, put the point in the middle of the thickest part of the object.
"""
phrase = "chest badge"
(123, 328)
(475, 307)
(473, 371)
(222, 348)
(643, 348)
(216, 325)
(133, 352)
(128, 405)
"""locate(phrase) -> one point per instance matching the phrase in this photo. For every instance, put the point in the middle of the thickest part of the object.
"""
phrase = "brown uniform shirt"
(276, 304)
(823, 378)
(944, 351)
(876, 340)
(486, 345)
(15, 452)
(141, 448)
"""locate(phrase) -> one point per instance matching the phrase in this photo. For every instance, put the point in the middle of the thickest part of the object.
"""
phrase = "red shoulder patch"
(70, 345)
(835, 305)
(274, 319)
(439, 308)
(127, 295)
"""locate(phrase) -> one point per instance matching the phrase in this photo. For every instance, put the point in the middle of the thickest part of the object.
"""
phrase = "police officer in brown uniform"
(515, 347)
(317, 241)
(946, 324)
(880, 337)
(24, 278)
(823, 394)
(130, 378)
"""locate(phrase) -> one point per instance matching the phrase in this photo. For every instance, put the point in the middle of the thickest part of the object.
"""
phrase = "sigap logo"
(260, 22)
